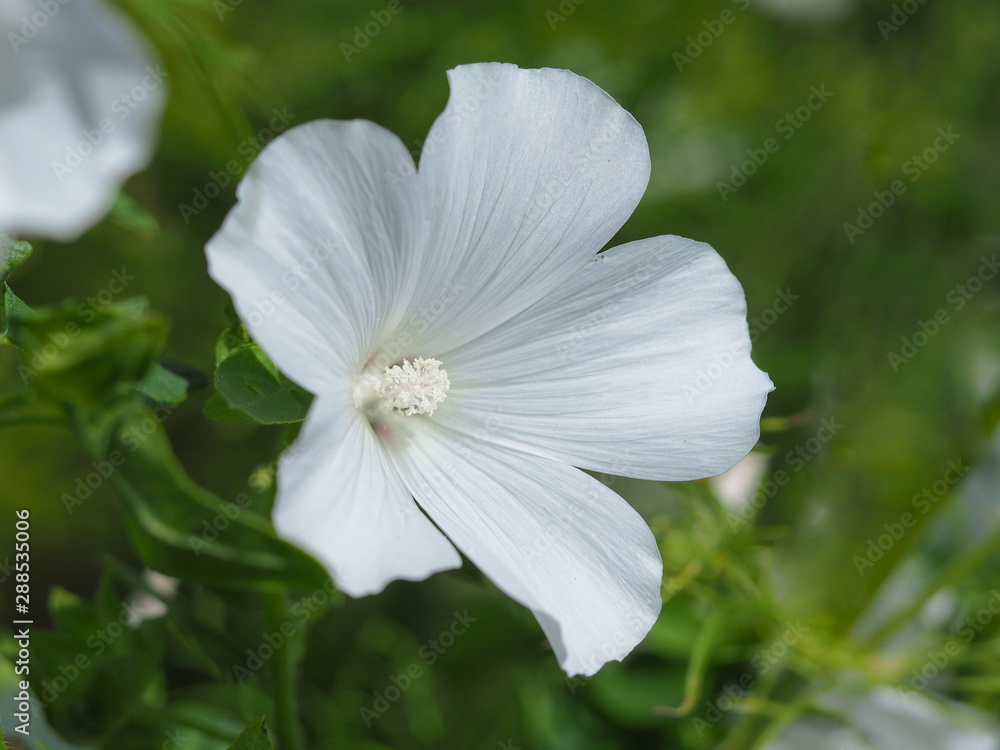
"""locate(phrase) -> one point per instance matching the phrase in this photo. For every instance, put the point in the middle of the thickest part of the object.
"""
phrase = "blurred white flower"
(808, 11)
(80, 99)
(355, 271)
(736, 487)
(884, 718)
(149, 605)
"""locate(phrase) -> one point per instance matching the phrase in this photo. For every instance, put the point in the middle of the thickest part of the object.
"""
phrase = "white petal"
(639, 366)
(818, 11)
(548, 535)
(890, 718)
(524, 177)
(341, 499)
(79, 105)
(320, 246)
(736, 487)
(885, 718)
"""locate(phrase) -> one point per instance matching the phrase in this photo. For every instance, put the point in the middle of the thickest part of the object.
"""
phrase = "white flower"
(885, 718)
(807, 10)
(347, 265)
(79, 104)
(737, 487)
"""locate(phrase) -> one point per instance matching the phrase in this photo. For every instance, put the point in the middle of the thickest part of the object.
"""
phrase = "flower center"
(417, 388)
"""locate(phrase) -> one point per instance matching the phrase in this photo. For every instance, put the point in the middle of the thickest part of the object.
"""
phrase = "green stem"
(782, 716)
(742, 731)
(956, 572)
(31, 419)
(183, 719)
(16, 409)
(696, 667)
(984, 684)
(283, 675)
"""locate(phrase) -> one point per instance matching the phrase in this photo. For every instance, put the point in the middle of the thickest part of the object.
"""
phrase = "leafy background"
(733, 590)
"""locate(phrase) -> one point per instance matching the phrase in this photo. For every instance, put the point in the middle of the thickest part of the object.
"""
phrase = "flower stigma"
(417, 388)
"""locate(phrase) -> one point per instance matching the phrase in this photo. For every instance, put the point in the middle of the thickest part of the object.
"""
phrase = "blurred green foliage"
(849, 300)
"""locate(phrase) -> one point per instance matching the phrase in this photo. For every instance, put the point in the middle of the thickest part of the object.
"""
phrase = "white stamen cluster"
(414, 389)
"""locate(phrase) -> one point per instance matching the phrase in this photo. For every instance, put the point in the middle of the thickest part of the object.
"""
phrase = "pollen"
(417, 388)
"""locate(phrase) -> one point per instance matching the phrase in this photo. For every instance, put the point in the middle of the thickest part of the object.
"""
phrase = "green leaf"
(128, 214)
(10, 306)
(95, 670)
(218, 408)
(249, 382)
(78, 354)
(232, 339)
(71, 614)
(192, 640)
(182, 530)
(163, 386)
(254, 737)
(12, 254)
